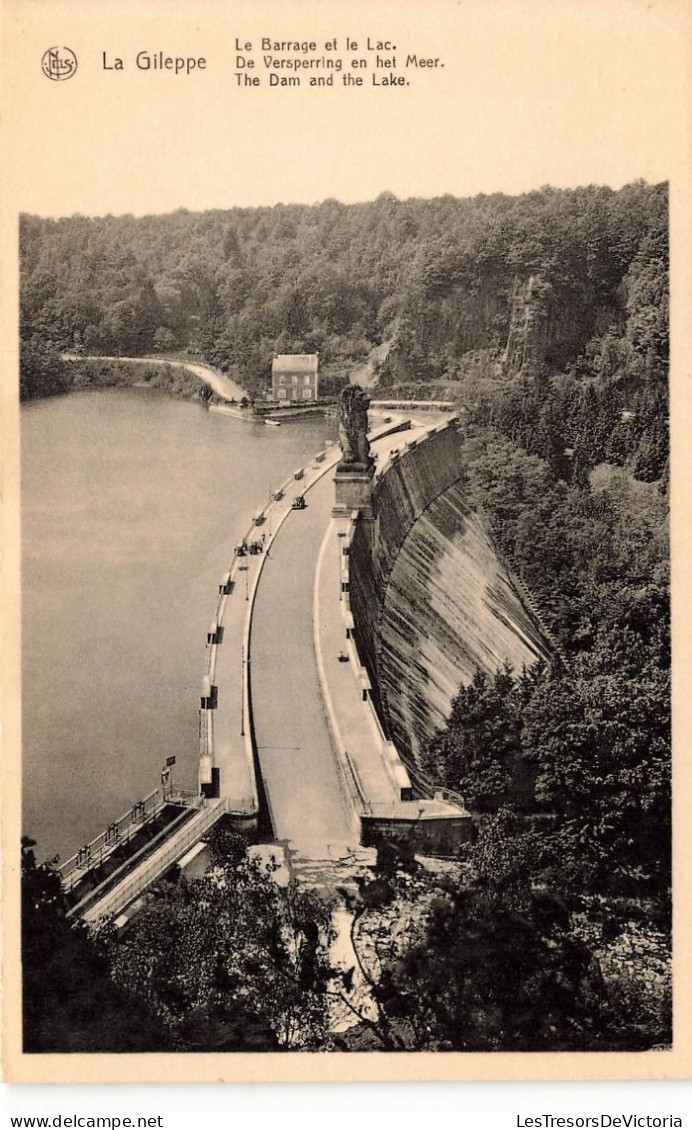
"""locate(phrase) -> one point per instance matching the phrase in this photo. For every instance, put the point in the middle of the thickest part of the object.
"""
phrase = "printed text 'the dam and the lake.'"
(369, 61)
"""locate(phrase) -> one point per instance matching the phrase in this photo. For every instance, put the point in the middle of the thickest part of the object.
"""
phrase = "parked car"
(298, 502)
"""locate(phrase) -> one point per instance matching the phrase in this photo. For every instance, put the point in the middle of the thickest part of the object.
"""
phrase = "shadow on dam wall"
(431, 599)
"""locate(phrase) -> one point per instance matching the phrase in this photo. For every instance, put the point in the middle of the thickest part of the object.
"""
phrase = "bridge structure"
(288, 715)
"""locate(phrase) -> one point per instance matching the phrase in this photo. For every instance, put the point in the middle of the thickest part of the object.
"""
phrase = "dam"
(432, 600)
(337, 644)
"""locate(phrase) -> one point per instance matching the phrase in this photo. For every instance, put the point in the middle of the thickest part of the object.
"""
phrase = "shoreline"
(96, 375)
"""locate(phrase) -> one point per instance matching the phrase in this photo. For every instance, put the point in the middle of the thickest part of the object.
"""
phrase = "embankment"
(431, 600)
(174, 378)
(190, 379)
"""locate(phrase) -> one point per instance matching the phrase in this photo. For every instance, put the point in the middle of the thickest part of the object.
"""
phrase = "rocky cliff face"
(431, 600)
(528, 328)
(550, 327)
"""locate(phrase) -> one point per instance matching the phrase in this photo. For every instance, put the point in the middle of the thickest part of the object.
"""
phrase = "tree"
(232, 953)
(164, 339)
(70, 1003)
(476, 753)
(41, 371)
(474, 974)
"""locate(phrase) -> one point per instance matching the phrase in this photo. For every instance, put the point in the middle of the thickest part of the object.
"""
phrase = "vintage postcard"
(340, 432)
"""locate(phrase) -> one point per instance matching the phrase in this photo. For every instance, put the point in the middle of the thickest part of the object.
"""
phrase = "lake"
(132, 502)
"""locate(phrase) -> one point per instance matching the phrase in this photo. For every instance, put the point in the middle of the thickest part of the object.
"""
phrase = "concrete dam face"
(432, 601)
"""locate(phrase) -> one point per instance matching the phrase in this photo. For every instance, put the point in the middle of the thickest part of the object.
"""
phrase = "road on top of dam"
(305, 792)
(301, 775)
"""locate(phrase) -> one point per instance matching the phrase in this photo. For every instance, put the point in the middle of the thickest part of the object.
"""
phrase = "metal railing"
(185, 798)
(404, 810)
(391, 809)
(430, 788)
(117, 833)
(153, 868)
(94, 894)
(121, 832)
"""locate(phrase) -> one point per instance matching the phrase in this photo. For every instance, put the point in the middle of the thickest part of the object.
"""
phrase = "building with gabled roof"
(294, 377)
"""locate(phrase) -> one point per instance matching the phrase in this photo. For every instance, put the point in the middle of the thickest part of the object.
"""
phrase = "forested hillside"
(567, 765)
(434, 279)
(547, 316)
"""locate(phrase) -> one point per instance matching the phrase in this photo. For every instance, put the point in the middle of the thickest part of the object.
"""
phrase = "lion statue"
(353, 426)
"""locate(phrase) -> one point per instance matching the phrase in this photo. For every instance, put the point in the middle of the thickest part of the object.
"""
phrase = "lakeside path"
(219, 382)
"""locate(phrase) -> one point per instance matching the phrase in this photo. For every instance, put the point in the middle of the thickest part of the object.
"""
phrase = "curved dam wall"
(431, 599)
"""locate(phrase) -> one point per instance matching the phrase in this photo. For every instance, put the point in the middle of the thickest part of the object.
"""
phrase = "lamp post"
(166, 773)
(342, 534)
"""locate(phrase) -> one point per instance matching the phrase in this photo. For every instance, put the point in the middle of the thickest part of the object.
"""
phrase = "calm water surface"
(131, 505)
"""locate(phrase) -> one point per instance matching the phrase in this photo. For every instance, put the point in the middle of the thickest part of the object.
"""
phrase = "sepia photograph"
(346, 626)
(344, 566)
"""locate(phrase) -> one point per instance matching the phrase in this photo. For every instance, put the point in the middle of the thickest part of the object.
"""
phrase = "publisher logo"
(59, 63)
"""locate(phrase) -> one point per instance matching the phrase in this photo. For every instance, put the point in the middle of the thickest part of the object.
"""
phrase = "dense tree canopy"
(571, 471)
(433, 278)
(70, 1003)
(233, 960)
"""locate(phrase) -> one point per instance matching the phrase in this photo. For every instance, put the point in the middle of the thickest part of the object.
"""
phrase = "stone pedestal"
(353, 489)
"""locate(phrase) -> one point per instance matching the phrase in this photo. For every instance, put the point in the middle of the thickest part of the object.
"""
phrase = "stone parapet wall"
(436, 836)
